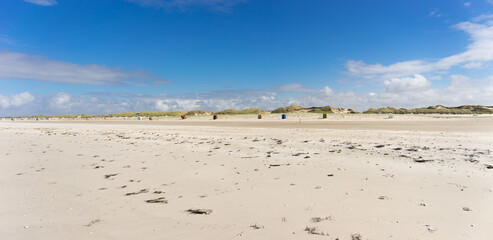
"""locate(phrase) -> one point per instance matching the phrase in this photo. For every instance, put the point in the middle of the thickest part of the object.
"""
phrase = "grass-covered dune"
(245, 111)
(438, 109)
(198, 113)
(330, 109)
(289, 109)
(327, 109)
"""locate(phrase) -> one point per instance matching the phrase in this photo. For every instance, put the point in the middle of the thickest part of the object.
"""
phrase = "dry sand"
(411, 177)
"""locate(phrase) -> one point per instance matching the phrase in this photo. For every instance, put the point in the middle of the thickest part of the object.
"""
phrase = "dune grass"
(466, 109)
(326, 109)
(289, 109)
(237, 112)
(197, 113)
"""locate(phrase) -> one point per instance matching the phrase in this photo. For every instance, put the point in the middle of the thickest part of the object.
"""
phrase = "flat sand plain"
(346, 177)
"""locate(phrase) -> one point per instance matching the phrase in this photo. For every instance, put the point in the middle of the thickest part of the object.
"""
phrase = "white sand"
(56, 182)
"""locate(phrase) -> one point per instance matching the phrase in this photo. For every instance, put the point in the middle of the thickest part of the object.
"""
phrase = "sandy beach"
(346, 177)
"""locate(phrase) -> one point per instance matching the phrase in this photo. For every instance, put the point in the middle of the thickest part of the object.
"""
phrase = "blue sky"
(64, 57)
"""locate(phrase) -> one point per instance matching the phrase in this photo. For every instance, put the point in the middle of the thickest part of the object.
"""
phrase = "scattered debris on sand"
(256, 226)
(420, 160)
(315, 231)
(139, 192)
(93, 222)
(467, 209)
(356, 236)
(430, 228)
(320, 219)
(157, 200)
(199, 211)
(107, 176)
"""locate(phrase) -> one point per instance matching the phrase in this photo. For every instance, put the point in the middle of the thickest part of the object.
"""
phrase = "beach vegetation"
(290, 109)
(237, 112)
(438, 109)
(197, 113)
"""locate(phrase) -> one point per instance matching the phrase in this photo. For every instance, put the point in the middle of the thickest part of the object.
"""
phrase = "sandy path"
(92, 181)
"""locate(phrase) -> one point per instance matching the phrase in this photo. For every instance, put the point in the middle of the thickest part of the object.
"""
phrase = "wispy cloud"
(435, 13)
(42, 2)
(15, 65)
(7, 40)
(482, 17)
(478, 52)
(467, 4)
(215, 5)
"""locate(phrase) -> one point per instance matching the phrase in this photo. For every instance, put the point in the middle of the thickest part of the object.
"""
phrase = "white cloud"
(22, 66)
(473, 65)
(161, 105)
(407, 84)
(459, 82)
(479, 51)
(42, 2)
(216, 5)
(467, 4)
(16, 100)
(174, 103)
(461, 91)
(327, 91)
(60, 101)
(436, 77)
(400, 69)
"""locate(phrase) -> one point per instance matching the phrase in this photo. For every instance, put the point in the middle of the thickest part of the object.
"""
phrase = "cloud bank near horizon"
(408, 92)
